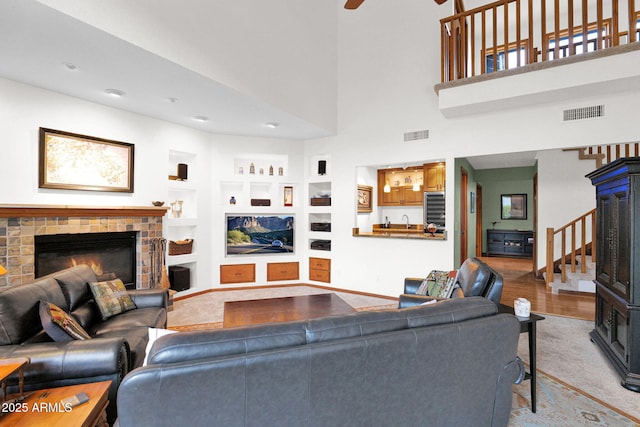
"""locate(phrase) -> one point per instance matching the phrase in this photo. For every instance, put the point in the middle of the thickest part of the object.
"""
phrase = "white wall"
(24, 109)
(388, 64)
(224, 148)
(564, 194)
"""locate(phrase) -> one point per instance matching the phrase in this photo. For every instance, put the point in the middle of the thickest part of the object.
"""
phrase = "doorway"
(464, 183)
(478, 220)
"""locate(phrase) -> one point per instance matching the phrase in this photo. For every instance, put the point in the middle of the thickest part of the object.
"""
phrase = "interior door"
(464, 183)
(479, 232)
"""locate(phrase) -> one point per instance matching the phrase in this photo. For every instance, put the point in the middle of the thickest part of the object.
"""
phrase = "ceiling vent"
(583, 113)
(416, 136)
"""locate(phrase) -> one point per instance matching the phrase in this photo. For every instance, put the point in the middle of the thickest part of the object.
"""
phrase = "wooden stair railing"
(571, 227)
(512, 33)
(605, 154)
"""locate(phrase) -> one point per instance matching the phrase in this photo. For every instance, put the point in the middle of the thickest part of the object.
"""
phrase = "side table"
(44, 407)
(8, 367)
(528, 325)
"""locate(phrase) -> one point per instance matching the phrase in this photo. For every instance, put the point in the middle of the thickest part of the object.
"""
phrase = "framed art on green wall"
(513, 206)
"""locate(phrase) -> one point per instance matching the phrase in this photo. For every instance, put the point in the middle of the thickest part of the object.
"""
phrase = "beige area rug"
(565, 352)
(561, 405)
(576, 384)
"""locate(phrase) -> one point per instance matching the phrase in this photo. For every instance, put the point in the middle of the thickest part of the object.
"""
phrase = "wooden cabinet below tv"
(237, 273)
(511, 243)
(282, 271)
(320, 269)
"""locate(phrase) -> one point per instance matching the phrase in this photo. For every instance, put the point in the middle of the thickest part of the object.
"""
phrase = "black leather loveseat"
(116, 346)
(475, 278)
(452, 363)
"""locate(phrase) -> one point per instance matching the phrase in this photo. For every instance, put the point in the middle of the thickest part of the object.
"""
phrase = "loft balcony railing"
(513, 33)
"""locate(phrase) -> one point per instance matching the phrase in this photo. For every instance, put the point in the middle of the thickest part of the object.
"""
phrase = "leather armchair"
(475, 278)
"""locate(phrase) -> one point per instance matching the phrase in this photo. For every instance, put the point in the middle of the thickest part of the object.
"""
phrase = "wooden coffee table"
(43, 407)
(286, 309)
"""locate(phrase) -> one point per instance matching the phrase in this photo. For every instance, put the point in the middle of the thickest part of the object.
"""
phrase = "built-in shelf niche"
(261, 165)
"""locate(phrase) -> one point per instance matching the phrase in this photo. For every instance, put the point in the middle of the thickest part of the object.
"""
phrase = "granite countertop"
(392, 234)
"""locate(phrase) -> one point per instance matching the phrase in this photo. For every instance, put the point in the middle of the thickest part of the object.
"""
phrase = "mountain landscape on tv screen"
(259, 234)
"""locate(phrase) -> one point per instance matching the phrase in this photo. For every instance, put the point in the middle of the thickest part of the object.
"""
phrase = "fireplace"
(110, 255)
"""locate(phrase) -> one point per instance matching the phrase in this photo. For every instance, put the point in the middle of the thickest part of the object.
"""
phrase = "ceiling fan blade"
(353, 4)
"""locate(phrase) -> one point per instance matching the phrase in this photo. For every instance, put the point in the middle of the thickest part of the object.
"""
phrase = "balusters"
(467, 45)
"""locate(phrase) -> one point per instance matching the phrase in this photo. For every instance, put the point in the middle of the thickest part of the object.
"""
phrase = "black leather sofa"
(452, 363)
(117, 345)
(475, 278)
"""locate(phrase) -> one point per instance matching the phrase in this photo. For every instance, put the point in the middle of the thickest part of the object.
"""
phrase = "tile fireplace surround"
(19, 225)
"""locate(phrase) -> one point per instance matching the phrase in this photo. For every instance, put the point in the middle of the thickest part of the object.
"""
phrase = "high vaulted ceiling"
(43, 47)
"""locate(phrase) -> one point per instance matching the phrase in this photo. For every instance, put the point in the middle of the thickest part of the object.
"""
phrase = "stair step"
(576, 282)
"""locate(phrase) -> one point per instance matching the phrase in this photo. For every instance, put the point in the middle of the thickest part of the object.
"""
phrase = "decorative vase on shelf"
(176, 208)
(252, 169)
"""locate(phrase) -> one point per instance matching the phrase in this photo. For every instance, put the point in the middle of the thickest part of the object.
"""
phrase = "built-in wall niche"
(182, 189)
(182, 218)
(233, 193)
(320, 222)
(238, 195)
(261, 165)
(258, 181)
(320, 190)
(320, 165)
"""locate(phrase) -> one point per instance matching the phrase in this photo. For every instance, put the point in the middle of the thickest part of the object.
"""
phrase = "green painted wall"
(496, 182)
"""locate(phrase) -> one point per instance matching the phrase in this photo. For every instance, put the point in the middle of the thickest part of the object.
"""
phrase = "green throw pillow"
(112, 297)
(60, 326)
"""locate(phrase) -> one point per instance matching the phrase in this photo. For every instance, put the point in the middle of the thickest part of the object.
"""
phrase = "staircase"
(576, 249)
(576, 281)
(607, 153)
(574, 241)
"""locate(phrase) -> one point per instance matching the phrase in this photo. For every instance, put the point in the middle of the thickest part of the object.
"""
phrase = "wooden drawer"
(237, 273)
(320, 263)
(320, 275)
(320, 269)
(282, 271)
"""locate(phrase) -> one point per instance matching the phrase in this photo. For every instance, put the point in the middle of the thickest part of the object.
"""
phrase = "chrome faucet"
(405, 216)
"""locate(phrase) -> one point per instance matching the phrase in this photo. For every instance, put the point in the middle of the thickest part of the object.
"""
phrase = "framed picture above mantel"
(69, 161)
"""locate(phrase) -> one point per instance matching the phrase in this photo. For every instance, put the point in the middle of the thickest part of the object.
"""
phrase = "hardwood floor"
(520, 282)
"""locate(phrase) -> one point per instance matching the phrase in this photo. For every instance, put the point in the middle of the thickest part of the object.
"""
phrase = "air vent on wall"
(583, 113)
(415, 136)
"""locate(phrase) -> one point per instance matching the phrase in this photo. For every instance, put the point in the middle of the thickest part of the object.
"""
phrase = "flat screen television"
(259, 234)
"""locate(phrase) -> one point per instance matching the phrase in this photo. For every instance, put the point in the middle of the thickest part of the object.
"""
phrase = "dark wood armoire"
(617, 242)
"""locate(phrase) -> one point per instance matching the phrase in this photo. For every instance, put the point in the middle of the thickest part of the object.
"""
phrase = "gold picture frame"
(365, 196)
(69, 161)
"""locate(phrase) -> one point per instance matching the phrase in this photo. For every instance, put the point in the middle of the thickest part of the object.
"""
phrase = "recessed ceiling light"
(70, 66)
(116, 93)
(272, 125)
(201, 118)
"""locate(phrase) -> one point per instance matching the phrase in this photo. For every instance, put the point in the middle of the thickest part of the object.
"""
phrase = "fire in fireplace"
(110, 255)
